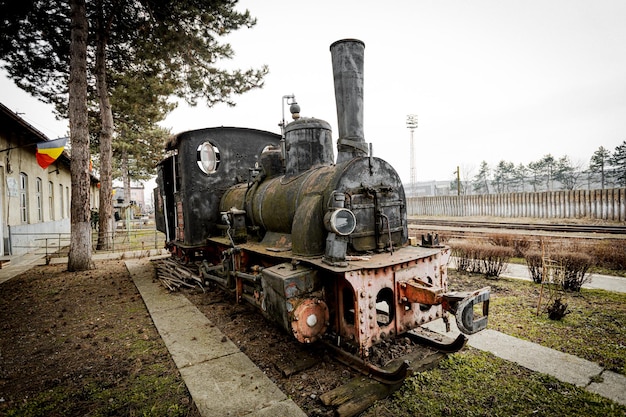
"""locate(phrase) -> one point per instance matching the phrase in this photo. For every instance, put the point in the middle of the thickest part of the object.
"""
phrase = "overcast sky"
(489, 80)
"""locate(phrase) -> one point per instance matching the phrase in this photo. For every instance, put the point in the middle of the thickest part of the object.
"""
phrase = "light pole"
(411, 123)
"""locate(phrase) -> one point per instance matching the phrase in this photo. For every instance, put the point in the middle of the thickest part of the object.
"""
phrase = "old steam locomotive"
(320, 246)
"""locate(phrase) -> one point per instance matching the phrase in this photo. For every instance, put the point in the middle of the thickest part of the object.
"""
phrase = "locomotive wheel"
(310, 320)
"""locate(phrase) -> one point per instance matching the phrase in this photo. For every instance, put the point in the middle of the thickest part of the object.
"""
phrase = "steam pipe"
(347, 59)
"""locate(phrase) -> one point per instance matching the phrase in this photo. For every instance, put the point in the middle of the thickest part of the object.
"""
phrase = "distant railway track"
(547, 227)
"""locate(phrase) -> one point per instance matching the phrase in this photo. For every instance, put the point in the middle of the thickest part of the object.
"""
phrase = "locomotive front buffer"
(461, 304)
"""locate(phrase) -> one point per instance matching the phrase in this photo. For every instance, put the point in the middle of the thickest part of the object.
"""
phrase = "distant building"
(428, 188)
(34, 202)
(136, 200)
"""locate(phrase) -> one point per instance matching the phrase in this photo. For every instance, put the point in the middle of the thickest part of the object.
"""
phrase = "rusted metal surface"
(310, 320)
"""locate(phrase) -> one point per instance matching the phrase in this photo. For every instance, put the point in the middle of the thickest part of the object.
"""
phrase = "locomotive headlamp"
(208, 157)
(340, 221)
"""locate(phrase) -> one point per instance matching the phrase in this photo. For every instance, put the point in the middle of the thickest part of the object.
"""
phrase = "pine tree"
(174, 42)
(618, 160)
(599, 164)
(481, 180)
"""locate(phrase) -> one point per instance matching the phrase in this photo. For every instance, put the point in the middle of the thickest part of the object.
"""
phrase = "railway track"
(547, 227)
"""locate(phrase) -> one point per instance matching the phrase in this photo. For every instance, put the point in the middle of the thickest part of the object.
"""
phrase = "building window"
(51, 199)
(61, 199)
(67, 202)
(23, 197)
(39, 186)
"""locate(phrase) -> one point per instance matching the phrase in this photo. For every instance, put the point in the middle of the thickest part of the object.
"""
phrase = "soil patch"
(83, 343)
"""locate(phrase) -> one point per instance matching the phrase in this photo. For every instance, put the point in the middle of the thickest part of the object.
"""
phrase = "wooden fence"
(591, 204)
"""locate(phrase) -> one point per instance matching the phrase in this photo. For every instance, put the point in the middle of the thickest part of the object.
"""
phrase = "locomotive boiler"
(320, 245)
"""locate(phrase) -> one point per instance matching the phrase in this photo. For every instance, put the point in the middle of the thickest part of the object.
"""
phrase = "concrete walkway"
(221, 379)
(224, 382)
(564, 367)
(596, 281)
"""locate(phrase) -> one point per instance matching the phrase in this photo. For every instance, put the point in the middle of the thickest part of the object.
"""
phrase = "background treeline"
(605, 169)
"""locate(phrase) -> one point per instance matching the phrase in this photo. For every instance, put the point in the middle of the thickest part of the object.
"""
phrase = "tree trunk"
(105, 224)
(79, 257)
(125, 177)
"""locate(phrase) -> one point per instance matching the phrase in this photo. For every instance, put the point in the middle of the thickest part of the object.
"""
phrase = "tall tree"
(503, 176)
(566, 173)
(599, 163)
(177, 40)
(547, 163)
(481, 180)
(536, 173)
(520, 173)
(79, 257)
(618, 160)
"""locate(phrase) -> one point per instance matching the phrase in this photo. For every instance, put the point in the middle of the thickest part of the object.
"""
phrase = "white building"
(34, 202)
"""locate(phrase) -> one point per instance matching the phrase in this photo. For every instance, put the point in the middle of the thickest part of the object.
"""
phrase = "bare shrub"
(557, 310)
(575, 266)
(482, 258)
(494, 259)
(519, 243)
(534, 262)
(465, 254)
(610, 254)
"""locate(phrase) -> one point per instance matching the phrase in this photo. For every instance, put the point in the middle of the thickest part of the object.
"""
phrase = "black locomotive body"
(320, 246)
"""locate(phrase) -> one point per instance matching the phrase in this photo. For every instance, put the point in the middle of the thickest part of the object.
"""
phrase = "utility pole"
(411, 123)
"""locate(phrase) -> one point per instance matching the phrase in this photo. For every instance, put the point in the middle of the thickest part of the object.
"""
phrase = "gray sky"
(489, 79)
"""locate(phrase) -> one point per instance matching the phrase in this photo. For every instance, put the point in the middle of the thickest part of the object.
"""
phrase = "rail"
(503, 224)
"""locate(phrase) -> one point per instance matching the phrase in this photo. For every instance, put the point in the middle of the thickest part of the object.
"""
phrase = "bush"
(534, 262)
(519, 243)
(557, 310)
(574, 264)
(481, 258)
(610, 254)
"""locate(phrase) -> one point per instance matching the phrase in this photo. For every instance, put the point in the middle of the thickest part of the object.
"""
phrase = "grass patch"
(475, 383)
(593, 330)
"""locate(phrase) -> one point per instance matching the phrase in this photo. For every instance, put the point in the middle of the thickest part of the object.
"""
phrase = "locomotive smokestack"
(347, 59)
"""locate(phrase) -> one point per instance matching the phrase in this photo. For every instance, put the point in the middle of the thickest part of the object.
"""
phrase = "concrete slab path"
(221, 379)
(564, 367)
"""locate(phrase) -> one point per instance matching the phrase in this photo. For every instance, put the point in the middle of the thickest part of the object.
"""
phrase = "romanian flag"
(48, 152)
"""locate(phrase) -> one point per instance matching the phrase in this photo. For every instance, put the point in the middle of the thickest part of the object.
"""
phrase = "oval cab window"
(208, 157)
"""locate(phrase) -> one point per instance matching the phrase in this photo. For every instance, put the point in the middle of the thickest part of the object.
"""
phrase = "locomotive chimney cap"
(347, 40)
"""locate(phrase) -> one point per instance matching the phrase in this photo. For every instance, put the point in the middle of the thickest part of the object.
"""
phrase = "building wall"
(33, 200)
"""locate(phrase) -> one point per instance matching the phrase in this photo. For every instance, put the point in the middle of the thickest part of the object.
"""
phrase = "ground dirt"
(90, 334)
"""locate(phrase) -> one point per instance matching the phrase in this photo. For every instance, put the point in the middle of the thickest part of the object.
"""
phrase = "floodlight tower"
(411, 123)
